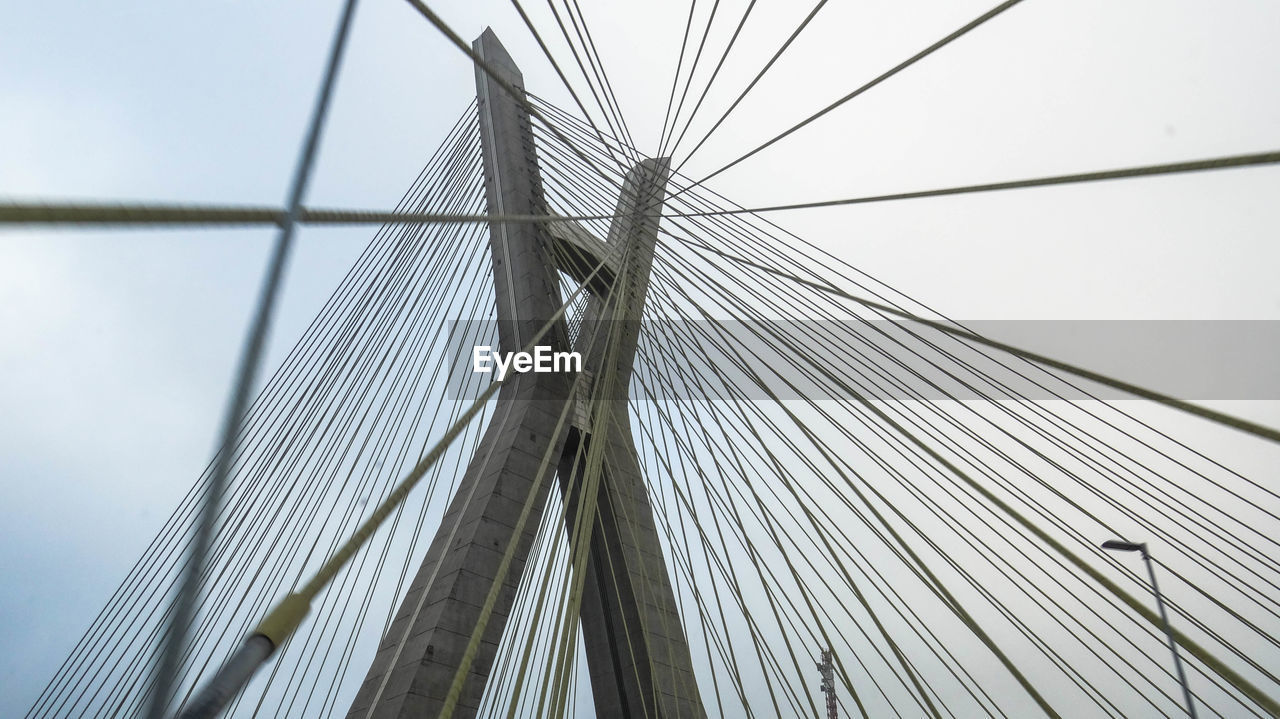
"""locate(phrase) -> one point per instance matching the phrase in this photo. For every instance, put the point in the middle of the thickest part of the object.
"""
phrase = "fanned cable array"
(350, 408)
(833, 467)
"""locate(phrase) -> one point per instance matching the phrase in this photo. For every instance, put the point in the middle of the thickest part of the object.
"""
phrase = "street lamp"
(1122, 546)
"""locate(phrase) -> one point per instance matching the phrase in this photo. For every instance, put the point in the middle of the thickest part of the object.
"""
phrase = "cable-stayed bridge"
(784, 456)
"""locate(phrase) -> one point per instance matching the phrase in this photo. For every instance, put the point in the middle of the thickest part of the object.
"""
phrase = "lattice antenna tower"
(828, 671)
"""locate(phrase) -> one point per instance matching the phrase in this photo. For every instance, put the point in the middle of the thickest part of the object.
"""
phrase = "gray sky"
(118, 346)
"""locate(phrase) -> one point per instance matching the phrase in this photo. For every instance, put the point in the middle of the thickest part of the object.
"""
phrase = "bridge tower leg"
(637, 654)
(636, 650)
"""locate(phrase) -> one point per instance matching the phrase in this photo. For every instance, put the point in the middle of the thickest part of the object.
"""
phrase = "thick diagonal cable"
(184, 603)
(52, 213)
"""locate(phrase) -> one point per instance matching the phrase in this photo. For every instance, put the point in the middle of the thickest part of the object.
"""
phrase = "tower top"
(491, 50)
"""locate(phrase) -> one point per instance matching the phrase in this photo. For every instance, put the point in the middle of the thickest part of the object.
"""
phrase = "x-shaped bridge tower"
(543, 425)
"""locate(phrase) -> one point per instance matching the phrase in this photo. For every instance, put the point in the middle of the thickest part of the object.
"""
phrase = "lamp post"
(1122, 546)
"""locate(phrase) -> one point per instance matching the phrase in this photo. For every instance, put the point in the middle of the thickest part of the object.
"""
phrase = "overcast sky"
(118, 346)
